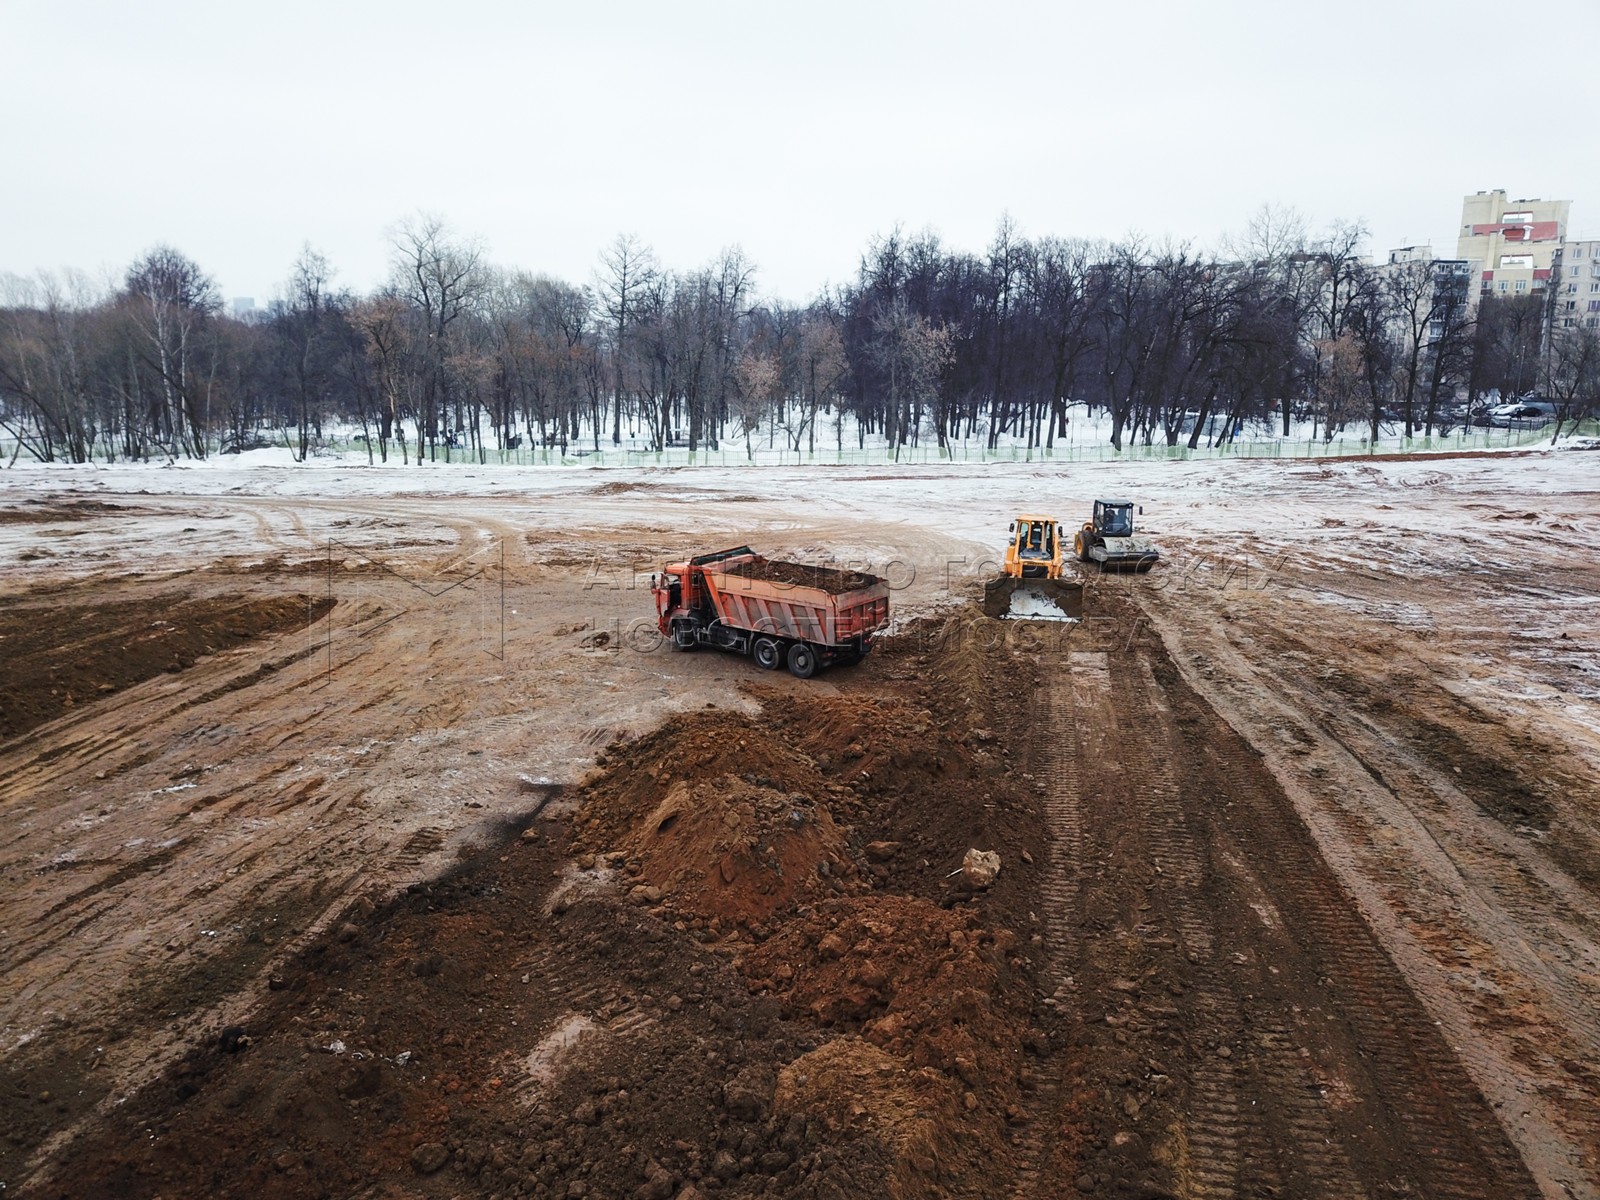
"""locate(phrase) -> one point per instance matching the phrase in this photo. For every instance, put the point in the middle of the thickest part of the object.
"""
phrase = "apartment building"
(1576, 272)
(1451, 279)
(1512, 245)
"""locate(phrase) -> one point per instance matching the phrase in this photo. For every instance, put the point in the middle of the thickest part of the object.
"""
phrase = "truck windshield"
(1118, 521)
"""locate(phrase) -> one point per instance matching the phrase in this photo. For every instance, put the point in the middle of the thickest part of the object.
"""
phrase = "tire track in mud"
(1234, 1144)
(597, 1014)
(1266, 928)
(1240, 1031)
(1055, 761)
(1224, 1149)
(1493, 935)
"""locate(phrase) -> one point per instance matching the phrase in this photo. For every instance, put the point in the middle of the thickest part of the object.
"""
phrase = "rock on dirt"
(748, 1095)
(980, 868)
(429, 1157)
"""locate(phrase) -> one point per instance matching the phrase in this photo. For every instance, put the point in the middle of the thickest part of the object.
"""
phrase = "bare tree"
(1340, 274)
(304, 327)
(911, 354)
(382, 323)
(628, 269)
(49, 328)
(821, 368)
(1572, 375)
(1343, 384)
(755, 382)
(442, 277)
(170, 299)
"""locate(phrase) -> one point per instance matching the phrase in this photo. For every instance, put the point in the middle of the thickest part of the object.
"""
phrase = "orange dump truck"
(777, 612)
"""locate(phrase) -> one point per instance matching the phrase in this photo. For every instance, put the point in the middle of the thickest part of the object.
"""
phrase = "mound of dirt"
(792, 574)
(718, 815)
(736, 850)
(925, 766)
(924, 983)
(904, 1120)
(53, 509)
(700, 982)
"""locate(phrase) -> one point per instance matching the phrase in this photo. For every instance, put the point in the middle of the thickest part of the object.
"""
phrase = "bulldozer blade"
(1006, 597)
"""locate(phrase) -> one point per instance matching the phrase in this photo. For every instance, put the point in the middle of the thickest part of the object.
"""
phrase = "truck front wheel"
(802, 661)
(767, 653)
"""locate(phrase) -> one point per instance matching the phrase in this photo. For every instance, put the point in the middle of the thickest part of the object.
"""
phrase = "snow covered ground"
(1087, 439)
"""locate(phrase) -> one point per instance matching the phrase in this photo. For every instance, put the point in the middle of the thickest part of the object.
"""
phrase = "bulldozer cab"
(1113, 518)
(1035, 538)
(1034, 548)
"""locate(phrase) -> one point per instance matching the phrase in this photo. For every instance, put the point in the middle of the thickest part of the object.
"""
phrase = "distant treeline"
(456, 355)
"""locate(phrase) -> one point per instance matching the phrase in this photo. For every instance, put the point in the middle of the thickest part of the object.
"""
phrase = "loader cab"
(1113, 518)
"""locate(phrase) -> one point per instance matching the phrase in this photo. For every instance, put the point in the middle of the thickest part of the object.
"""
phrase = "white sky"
(237, 132)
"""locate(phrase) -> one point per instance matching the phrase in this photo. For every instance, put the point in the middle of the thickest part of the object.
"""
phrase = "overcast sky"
(238, 132)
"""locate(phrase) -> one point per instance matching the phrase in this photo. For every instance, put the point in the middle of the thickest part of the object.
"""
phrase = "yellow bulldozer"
(1030, 584)
(1034, 551)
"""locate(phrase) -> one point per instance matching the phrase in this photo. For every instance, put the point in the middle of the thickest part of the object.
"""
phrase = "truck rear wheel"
(802, 661)
(767, 653)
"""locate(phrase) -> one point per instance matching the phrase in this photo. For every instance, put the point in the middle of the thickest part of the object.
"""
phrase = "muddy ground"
(380, 851)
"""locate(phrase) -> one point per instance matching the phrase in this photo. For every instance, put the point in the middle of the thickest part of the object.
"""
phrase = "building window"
(1571, 304)
(1594, 306)
(1571, 287)
(1522, 285)
(1502, 286)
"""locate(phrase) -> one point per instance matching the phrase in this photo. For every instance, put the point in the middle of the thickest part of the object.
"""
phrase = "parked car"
(1517, 416)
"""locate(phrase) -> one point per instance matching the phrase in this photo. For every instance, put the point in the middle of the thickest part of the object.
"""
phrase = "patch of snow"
(544, 1061)
(1030, 604)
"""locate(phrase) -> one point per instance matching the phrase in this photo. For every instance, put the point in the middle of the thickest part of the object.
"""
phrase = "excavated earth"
(418, 868)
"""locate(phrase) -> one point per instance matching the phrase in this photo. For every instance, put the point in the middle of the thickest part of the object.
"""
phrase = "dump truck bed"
(797, 600)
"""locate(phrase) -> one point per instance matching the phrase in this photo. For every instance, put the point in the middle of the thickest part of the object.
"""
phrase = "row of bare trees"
(455, 357)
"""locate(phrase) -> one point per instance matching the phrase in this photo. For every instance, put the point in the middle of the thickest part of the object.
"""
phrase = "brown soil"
(48, 510)
(1285, 908)
(647, 1019)
(792, 574)
(62, 655)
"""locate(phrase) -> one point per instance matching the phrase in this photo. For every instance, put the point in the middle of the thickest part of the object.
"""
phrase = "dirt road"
(1310, 909)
